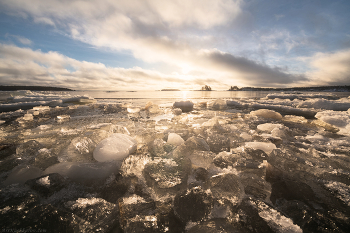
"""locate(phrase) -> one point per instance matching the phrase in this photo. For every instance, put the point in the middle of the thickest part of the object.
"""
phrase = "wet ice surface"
(275, 164)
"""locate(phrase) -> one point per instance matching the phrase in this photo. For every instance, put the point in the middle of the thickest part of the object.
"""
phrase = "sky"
(182, 44)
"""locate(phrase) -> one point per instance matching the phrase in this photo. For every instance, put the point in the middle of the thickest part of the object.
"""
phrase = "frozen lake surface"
(131, 162)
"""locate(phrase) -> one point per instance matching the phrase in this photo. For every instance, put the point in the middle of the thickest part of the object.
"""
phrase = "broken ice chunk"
(341, 190)
(276, 220)
(326, 126)
(144, 136)
(202, 104)
(227, 187)
(133, 165)
(148, 105)
(268, 127)
(265, 113)
(146, 223)
(159, 148)
(119, 129)
(133, 109)
(340, 120)
(28, 149)
(116, 147)
(21, 174)
(218, 143)
(79, 150)
(79, 100)
(153, 109)
(219, 104)
(41, 128)
(255, 154)
(175, 139)
(268, 147)
(296, 119)
(193, 204)
(17, 202)
(248, 218)
(48, 184)
(246, 136)
(225, 159)
(100, 214)
(185, 106)
(86, 173)
(133, 206)
(307, 218)
(256, 186)
(6, 150)
(202, 158)
(62, 118)
(191, 144)
(167, 175)
(45, 158)
(279, 132)
(28, 117)
(177, 111)
(221, 225)
(41, 109)
(211, 123)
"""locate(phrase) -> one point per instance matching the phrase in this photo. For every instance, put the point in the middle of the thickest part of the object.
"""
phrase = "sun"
(185, 68)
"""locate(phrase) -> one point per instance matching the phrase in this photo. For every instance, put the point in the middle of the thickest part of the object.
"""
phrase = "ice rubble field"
(275, 164)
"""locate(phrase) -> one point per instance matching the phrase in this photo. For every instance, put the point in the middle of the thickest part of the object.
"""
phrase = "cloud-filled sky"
(185, 44)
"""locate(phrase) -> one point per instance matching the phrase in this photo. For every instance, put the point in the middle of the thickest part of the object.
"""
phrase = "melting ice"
(274, 164)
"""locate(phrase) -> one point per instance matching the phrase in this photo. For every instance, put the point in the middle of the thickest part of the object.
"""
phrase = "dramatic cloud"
(250, 71)
(177, 13)
(23, 66)
(330, 68)
(221, 41)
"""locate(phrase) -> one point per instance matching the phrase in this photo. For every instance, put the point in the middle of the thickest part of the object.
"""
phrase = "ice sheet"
(257, 163)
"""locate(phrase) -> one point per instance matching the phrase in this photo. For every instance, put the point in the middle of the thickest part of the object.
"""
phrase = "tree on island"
(206, 88)
(233, 88)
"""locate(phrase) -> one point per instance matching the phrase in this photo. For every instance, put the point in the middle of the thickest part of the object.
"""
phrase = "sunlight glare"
(185, 68)
(184, 95)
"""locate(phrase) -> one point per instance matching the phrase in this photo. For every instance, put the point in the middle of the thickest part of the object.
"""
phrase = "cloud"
(24, 66)
(154, 31)
(250, 71)
(330, 68)
(280, 39)
(44, 20)
(131, 25)
(22, 40)
(177, 13)
(278, 17)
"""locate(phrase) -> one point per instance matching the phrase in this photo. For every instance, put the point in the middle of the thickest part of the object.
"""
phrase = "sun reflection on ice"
(184, 95)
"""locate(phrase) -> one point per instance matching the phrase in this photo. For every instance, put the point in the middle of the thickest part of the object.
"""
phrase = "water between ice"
(279, 162)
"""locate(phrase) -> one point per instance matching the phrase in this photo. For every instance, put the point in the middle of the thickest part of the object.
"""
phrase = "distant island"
(321, 88)
(33, 88)
(206, 88)
(170, 90)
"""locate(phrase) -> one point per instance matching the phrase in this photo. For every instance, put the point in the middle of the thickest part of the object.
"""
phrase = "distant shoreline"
(33, 88)
(320, 88)
(170, 90)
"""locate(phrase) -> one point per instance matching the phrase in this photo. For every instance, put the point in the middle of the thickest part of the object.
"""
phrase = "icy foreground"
(277, 164)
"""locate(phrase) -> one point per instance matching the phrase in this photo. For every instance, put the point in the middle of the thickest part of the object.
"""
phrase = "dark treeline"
(33, 88)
